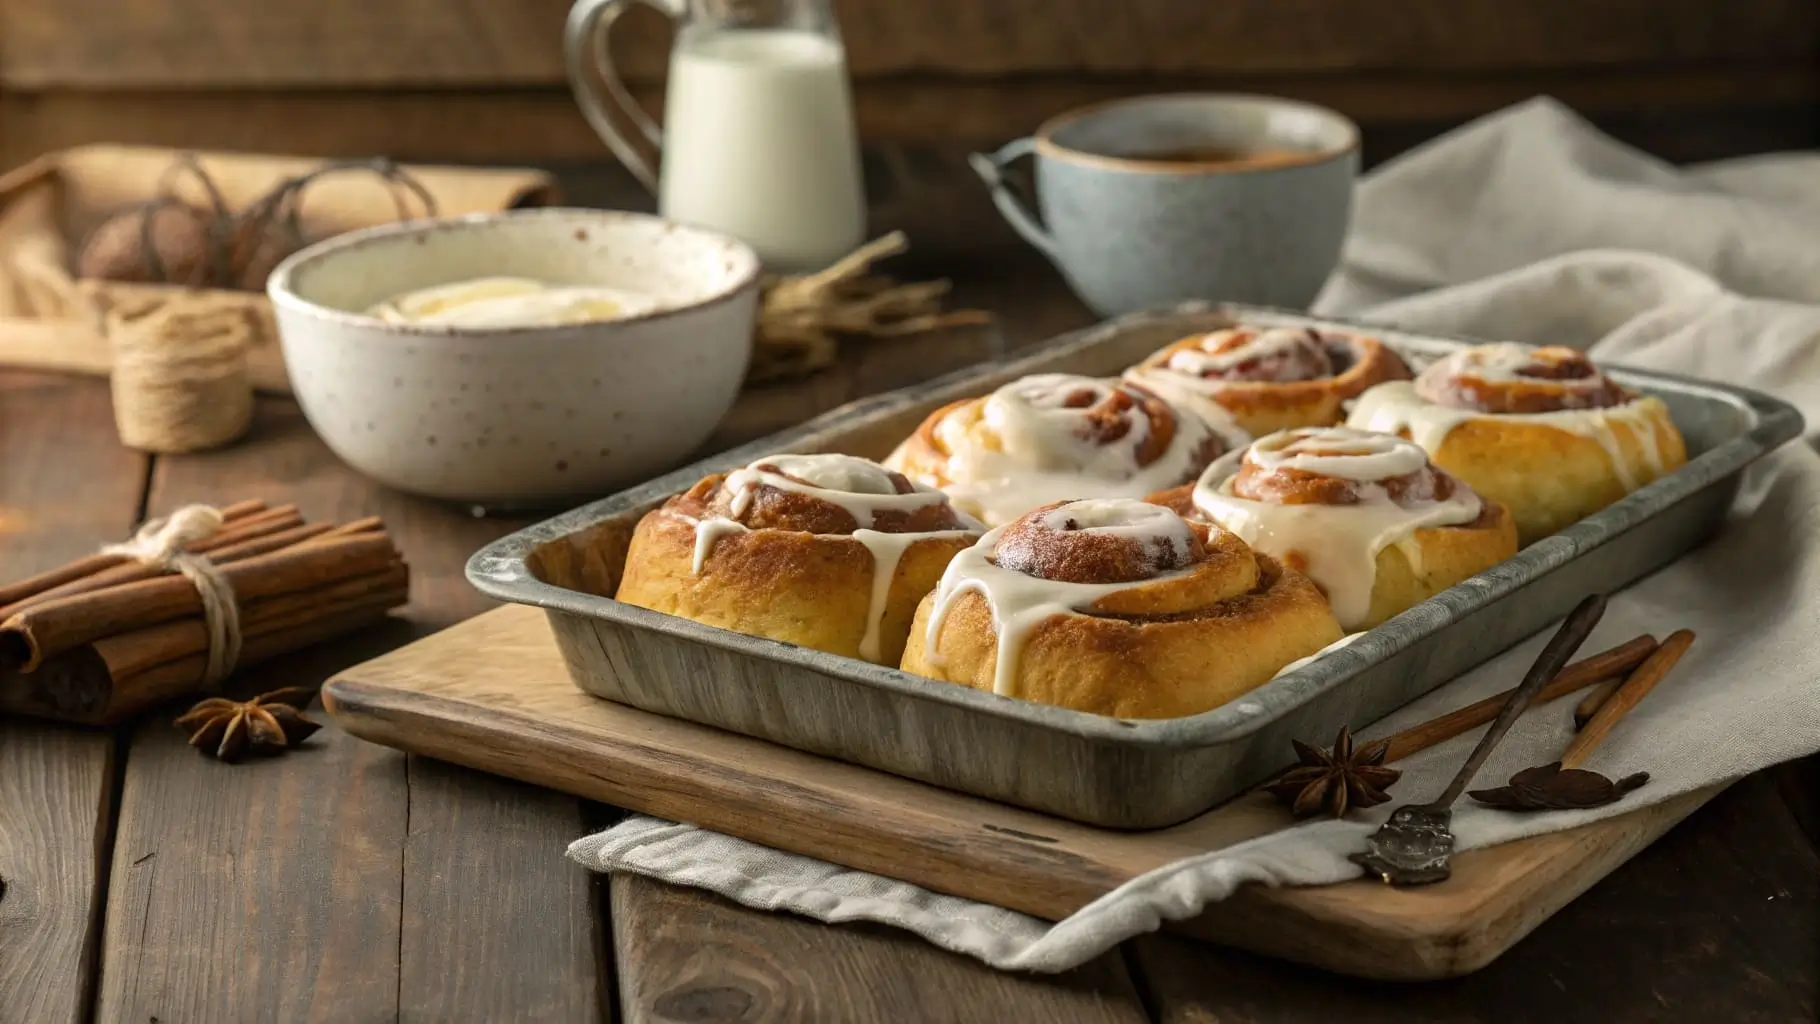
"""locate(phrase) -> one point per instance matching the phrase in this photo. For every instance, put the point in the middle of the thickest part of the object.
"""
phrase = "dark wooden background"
(482, 80)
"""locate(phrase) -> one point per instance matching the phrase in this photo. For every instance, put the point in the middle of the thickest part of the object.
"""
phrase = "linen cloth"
(1532, 226)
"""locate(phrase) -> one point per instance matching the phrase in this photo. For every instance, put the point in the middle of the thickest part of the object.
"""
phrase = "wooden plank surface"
(493, 693)
(339, 882)
(685, 955)
(541, 125)
(66, 486)
(1700, 926)
(116, 44)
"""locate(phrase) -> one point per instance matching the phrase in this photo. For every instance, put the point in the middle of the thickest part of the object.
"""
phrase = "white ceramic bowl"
(526, 415)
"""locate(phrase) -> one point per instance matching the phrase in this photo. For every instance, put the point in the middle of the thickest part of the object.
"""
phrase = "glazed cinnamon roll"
(1367, 517)
(1052, 437)
(1265, 379)
(1541, 431)
(825, 551)
(1116, 607)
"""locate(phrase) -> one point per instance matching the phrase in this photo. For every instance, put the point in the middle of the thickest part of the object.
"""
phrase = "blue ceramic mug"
(1156, 200)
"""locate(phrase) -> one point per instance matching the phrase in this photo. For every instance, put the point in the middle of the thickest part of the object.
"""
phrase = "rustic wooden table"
(349, 882)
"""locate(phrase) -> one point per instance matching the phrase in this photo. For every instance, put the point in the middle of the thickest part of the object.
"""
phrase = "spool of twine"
(180, 378)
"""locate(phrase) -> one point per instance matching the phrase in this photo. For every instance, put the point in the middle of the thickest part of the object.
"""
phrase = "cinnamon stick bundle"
(105, 636)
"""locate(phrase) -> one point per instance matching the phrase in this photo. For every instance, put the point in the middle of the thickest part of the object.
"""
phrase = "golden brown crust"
(1448, 555)
(1107, 415)
(1139, 666)
(1445, 555)
(1306, 388)
(1551, 478)
(1548, 379)
(793, 573)
(1182, 639)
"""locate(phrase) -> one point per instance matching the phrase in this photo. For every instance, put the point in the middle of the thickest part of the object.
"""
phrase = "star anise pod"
(268, 724)
(1337, 779)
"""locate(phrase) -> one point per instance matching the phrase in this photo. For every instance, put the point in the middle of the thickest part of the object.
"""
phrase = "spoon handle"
(1573, 632)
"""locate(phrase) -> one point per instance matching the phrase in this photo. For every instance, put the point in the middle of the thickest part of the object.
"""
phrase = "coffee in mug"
(1157, 200)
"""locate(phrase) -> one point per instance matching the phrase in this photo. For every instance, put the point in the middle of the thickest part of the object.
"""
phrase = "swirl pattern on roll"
(1508, 378)
(1328, 500)
(1052, 437)
(826, 495)
(823, 494)
(1262, 379)
(1553, 386)
(1099, 557)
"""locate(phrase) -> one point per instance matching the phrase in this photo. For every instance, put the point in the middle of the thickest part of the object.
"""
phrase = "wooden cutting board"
(492, 693)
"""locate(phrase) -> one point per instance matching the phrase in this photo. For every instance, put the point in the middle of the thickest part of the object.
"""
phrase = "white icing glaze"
(1198, 361)
(492, 302)
(1043, 455)
(859, 486)
(1395, 406)
(1189, 393)
(1338, 544)
(1329, 649)
(1019, 603)
(708, 533)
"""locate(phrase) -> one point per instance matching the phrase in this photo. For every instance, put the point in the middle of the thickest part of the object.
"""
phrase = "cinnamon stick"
(62, 623)
(83, 691)
(270, 521)
(104, 636)
(1589, 705)
(1583, 673)
(1635, 688)
(368, 525)
(13, 593)
(130, 653)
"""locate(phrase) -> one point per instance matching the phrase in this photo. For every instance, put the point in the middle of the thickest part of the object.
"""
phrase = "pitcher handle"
(585, 42)
(1014, 207)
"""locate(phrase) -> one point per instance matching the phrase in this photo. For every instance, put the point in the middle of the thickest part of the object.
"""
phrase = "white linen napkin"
(1532, 226)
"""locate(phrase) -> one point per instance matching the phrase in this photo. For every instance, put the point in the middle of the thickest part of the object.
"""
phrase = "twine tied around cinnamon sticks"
(160, 544)
(103, 637)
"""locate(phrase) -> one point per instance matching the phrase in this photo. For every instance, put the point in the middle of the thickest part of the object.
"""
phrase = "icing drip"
(708, 533)
(1053, 437)
(1273, 355)
(1020, 602)
(1339, 644)
(1510, 378)
(1337, 544)
(1395, 407)
(862, 489)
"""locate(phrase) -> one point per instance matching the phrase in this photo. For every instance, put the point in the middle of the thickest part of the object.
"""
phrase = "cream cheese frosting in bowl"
(526, 358)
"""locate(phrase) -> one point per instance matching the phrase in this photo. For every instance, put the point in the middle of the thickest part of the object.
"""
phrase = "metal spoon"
(1414, 845)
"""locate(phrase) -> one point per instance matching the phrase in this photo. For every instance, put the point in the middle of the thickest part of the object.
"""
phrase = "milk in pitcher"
(759, 143)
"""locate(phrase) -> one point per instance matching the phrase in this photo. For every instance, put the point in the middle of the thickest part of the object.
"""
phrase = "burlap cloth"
(49, 319)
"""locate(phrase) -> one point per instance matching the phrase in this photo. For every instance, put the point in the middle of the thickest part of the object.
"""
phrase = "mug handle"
(585, 47)
(1016, 210)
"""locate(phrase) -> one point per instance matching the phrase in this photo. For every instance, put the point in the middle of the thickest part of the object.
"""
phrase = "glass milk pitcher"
(758, 138)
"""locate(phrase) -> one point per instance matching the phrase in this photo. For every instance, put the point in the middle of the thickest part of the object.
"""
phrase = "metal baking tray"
(1104, 771)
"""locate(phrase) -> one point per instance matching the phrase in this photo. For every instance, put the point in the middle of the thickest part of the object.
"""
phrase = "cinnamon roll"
(1052, 437)
(1265, 379)
(1367, 517)
(1116, 607)
(825, 551)
(1541, 431)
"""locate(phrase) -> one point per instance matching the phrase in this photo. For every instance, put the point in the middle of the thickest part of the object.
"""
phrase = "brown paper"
(50, 319)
